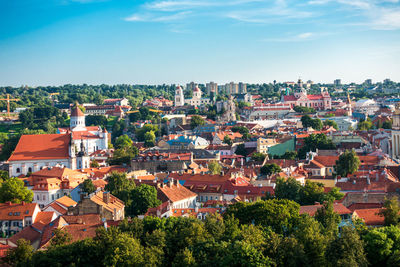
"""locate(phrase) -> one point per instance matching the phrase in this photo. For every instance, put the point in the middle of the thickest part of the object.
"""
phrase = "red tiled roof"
(312, 209)
(42, 146)
(289, 98)
(28, 233)
(45, 217)
(82, 219)
(76, 112)
(362, 206)
(370, 216)
(10, 211)
(174, 192)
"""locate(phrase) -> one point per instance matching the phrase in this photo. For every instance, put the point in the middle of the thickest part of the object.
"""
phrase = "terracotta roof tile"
(42, 146)
(66, 201)
(174, 193)
(11, 211)
(312, 209)
(370, 216)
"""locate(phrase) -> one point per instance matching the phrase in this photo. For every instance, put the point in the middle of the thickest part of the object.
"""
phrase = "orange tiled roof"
(82, 219)
(370, 216)
(76, 112)
(174, 193)
(66, 201)
(42, 146)
(114, 203)
(10, 211)
(44, 217)
(28, 233)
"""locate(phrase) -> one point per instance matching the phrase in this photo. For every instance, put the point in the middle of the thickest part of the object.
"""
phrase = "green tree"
(328, 218)
(20, 255)
(60, 237)
(347, 250)
(14, 190)
(87, 186)
(142, 198)
(378, 247)
(391, 211)
(214, 167)
(314, 142)
(140, 133)
(258, 156)
(307, 121)
(365, 125)
(149, 139)
(270, 169)
(196, 121)
(331, 123)
(387, 124)
(123, 142)
(227, 140)
(184, 258)
(287, 189)
(120, 186)
(241, 150)
(348, 163)
(94, 164)
(96, 120)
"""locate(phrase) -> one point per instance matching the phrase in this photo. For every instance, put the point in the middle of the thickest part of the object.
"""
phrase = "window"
(29, 169)
(44, 197)
(16, 224)
(52, 197)
(18, 170)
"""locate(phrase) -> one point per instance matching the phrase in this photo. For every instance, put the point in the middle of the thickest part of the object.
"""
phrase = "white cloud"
(305, 35)
(385, 19)
(155, 18)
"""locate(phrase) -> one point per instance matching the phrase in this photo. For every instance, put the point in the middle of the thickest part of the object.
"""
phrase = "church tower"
(179, 98)
(197, 93)
(349, 108)
(230, 114)
(77, 122)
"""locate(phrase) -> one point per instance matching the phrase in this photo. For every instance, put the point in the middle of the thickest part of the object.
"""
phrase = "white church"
(195, 101)
(68, 148)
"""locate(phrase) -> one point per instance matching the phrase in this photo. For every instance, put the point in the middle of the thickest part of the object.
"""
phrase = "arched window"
(29, 169)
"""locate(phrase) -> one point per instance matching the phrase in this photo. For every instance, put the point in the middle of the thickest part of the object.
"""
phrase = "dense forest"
(263, 233)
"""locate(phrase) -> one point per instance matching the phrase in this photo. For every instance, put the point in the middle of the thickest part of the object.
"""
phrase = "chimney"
(177, 183)
(106, 197)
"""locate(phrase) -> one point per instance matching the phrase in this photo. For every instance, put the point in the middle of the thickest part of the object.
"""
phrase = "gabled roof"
(114, 202)
(11, 212)
(77, 112)
(370, 216)
(66, 201)
(42, 146)
(174, 192)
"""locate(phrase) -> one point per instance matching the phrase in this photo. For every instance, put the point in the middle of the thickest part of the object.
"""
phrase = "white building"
(179, 97)
(396, 134)
(197, 100)
(93, 138)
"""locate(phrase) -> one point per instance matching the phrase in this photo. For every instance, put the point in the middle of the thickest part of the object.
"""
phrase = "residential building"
(102, 203)
(52, 183)
(16, 216)
(93, 138)
(158, 161)
(242, 88)
(116, 101)
(178, 196)
(396, 133)
(212, 87)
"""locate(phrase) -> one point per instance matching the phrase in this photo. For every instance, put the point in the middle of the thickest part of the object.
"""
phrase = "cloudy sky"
(53, 42)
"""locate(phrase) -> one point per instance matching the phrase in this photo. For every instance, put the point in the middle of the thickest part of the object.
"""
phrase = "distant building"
(212, 87)
(242, 88)
(321, 101)
(197, 100)
(337, 82)
(232, 88)
(116, 101)
(368, 82)
(230, 113)
(396, 133)
(190, 86)
(179, 97)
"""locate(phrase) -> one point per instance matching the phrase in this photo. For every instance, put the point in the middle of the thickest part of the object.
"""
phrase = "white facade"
(179, 97)
(197, 100)
(17, 168)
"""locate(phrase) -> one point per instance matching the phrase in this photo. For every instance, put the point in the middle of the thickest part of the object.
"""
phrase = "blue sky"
(54, 42)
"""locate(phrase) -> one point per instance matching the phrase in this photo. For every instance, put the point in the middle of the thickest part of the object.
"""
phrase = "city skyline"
(57, 42)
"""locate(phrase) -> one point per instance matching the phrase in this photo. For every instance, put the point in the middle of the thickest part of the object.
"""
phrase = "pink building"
(321, 101)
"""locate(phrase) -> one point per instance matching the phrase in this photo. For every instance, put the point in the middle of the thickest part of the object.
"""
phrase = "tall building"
(368, 82)
(179, 97)
(191, 86)
(396, 133)
(212, 87)
(232, 88)
(386, 81)
(242, 88)
(337, 83)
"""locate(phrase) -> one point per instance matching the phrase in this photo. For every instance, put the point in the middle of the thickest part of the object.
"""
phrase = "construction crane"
(8, 99)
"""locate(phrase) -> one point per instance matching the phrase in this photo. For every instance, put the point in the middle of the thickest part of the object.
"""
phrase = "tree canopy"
(347, 163)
